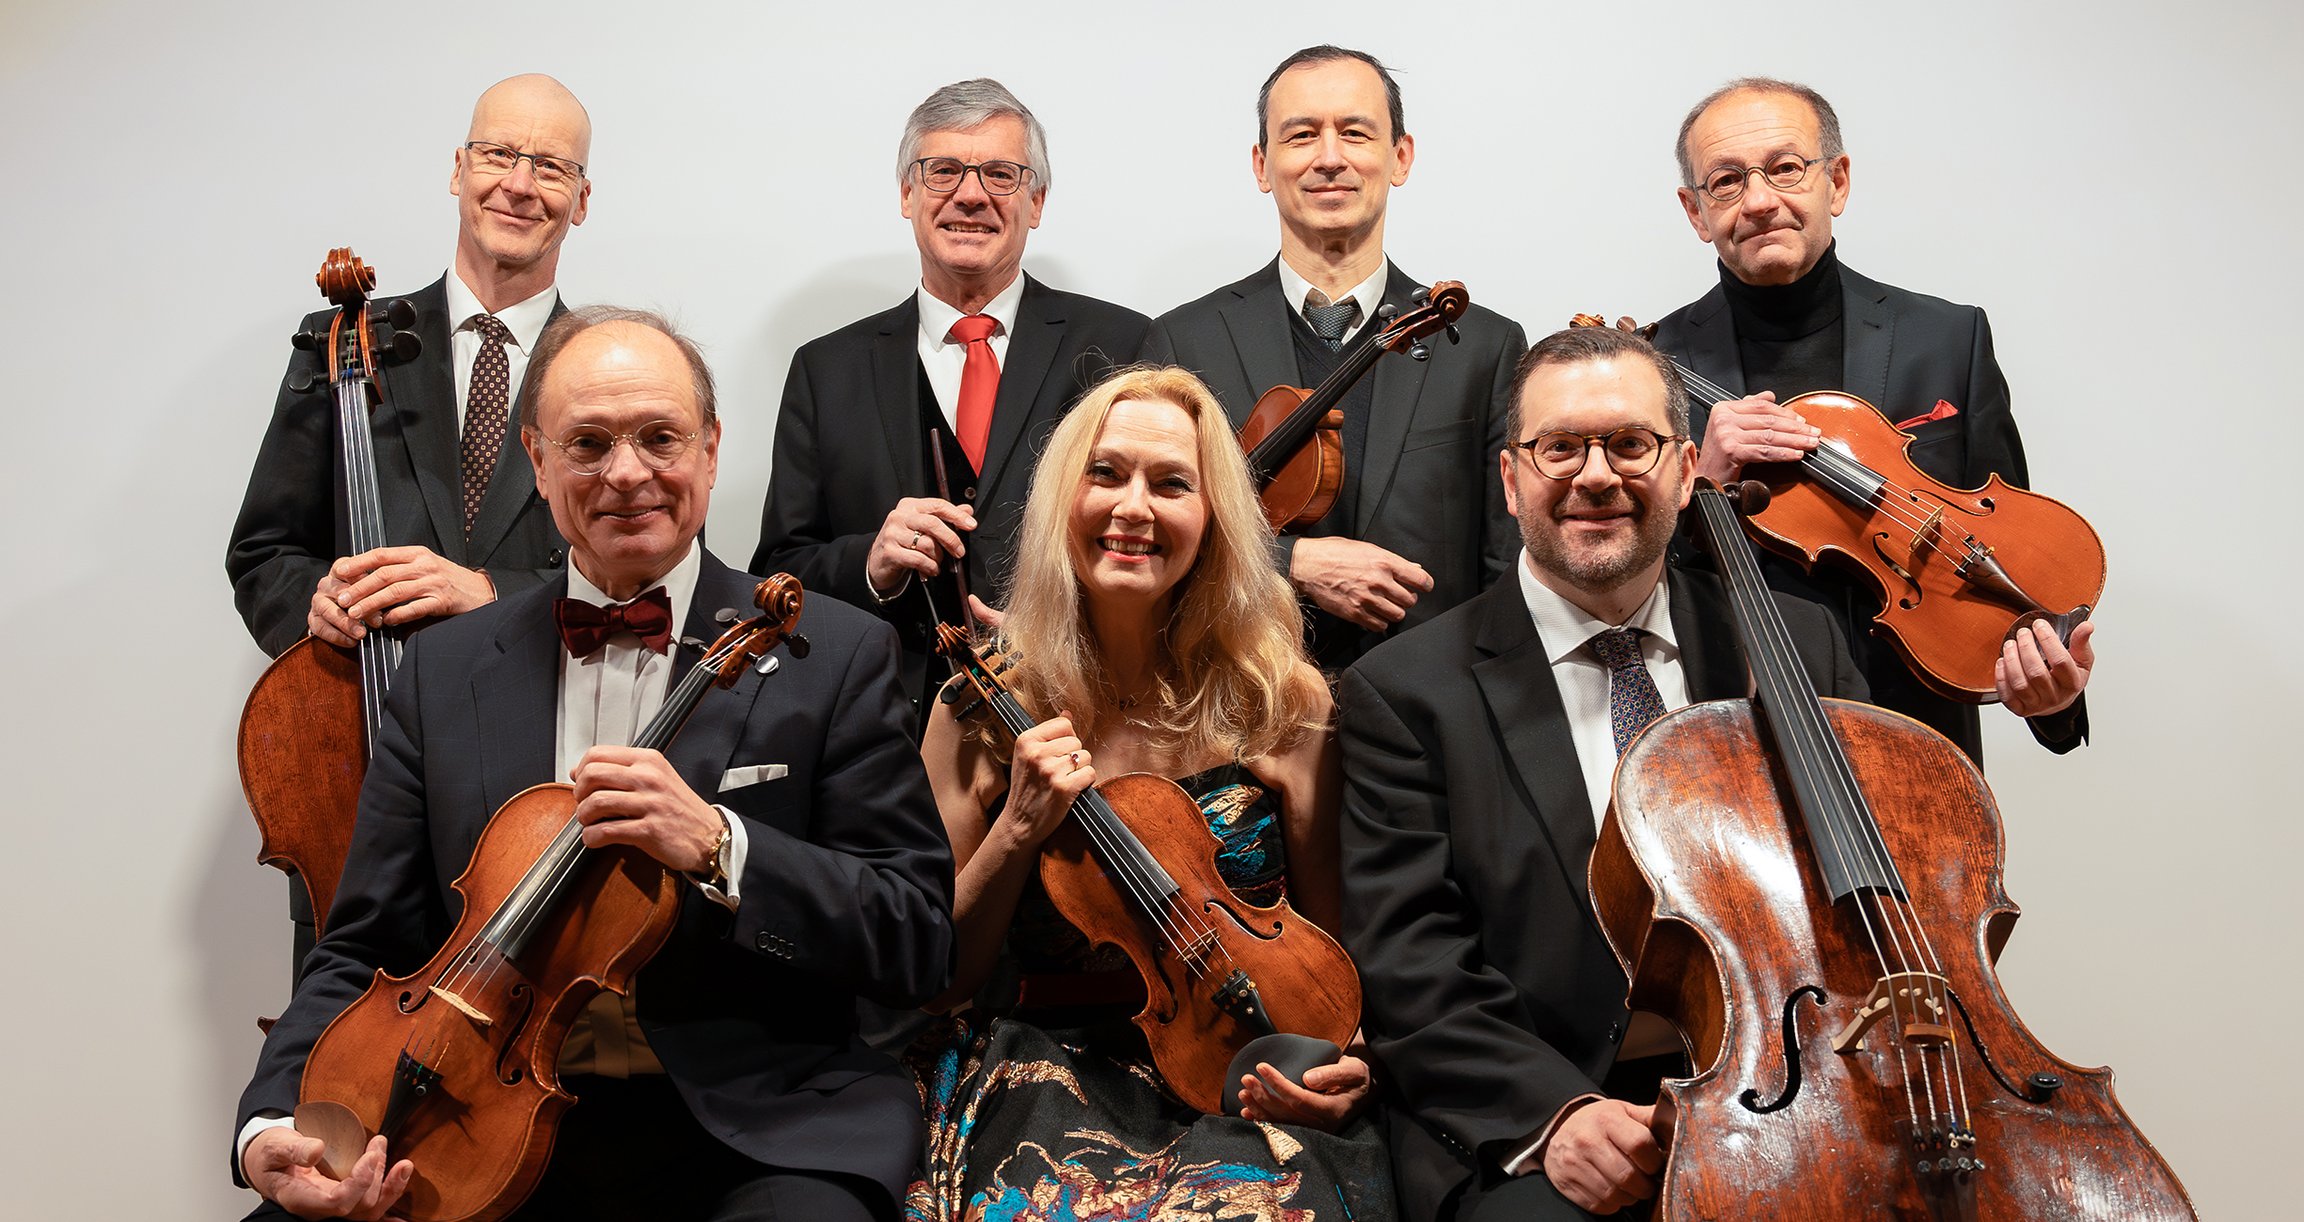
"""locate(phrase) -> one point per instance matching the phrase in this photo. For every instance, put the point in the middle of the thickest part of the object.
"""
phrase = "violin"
(1135, 867)
(1294, 437)
(1809, 890)
(311, 721)
(1958, 572)
(456, 1064)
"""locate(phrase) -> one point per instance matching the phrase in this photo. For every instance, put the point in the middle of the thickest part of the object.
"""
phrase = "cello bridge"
(1916, 999)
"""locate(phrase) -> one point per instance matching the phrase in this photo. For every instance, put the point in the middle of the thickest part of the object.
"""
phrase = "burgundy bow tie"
(584, 628)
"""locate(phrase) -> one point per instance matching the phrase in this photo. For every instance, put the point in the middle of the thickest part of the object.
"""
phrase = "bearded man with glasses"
(462, 521)
(906, 440)
(1763, 173)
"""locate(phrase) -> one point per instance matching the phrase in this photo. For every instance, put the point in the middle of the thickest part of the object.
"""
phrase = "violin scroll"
(779, 601)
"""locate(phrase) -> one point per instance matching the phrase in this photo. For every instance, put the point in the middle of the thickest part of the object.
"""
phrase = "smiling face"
(1592, 535)
(1770, 235)
(1330, 157)
(971, 241)
(1139, 515)
(629, 524)
(509, 224)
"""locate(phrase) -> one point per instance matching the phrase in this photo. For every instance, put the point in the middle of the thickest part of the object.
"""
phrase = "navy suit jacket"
(1426, 488)
(1491, 997)
(846, 888)
(1903, 352)
(292, 522)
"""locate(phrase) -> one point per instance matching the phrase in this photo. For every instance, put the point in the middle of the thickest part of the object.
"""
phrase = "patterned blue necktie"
(1330, 321)
(1632, 698)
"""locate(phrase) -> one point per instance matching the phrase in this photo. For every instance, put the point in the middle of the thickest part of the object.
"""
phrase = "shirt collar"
(525, 320)
(1565, 627)
(679, 585)
(936, 318)
(1369, 293)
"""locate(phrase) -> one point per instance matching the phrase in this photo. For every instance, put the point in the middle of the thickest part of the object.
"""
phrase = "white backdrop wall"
(2115, 182)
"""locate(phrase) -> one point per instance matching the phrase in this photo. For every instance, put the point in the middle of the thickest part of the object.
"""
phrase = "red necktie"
(584, 628)
(979, 385)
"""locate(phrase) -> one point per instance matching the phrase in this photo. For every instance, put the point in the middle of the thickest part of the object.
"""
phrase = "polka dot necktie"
(979, 385)
(1632, 698)
(485, 407)
(1330, 320)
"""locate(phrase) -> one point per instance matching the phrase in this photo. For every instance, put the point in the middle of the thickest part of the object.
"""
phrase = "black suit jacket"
(1904, 351)
(1491, 997)
(1427, 489)
(292, 522)
(848, 446)
(847, 880)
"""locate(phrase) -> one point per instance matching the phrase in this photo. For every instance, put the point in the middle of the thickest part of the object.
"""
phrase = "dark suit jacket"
(848, 446)
(1904, 351)
(292, 522)
(847, 880)
(1427, 489)
(1491, 997)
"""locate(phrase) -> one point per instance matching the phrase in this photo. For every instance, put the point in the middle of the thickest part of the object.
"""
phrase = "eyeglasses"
(1783, 172)
(497, 159)
(943, 175)
(587, 448)
(1631, 451)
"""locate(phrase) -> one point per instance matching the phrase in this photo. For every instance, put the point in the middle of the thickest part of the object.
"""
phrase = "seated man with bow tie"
(1478, 752)
(730, 1083)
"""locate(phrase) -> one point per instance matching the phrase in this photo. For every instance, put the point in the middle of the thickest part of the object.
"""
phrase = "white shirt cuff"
(733, 860)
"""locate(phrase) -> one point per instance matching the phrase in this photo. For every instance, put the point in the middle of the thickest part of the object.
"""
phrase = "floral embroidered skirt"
(1026, 1125)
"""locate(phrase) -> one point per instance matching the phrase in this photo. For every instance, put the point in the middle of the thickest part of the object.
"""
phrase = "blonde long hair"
(1233, 678)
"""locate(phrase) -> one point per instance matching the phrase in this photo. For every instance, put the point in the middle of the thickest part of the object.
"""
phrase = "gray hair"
(1576, 345)
(963, 105)
(1827, 122)
(562, 330)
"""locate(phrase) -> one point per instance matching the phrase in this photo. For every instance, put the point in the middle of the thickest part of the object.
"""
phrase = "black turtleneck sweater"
(1790, 336)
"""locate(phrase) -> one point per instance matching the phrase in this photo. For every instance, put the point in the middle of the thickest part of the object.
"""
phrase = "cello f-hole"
(1791, 1054)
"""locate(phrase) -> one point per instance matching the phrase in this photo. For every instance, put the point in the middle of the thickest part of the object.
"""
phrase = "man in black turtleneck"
(1763, 173)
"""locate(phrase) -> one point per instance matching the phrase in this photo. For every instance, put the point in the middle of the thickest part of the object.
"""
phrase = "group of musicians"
(1404, 718)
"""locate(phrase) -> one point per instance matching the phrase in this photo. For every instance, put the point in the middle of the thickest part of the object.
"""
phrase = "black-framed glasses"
(1783, 172)
(944, 174)
(587, 448)
(500, 159)
(1631, 451)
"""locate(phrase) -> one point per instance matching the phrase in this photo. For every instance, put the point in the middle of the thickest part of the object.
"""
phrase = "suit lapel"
(423, 394)
(515, 697)
(707, 744)
(511, 486)
(1391, 409)
(1258, 323)
(1869, 338)
(1031, 352)
(896, 390)
(1710, 351)
(1515, 680)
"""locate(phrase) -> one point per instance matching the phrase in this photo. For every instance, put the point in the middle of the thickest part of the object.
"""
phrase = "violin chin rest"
(1292, 1055)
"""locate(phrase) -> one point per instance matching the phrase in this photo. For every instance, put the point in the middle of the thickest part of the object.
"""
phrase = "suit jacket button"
(1614, 1030)
(761, 941)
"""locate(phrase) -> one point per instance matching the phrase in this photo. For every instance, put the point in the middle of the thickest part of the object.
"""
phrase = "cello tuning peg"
(307, 341)
(797, 644)
(400, 312)
(308, 383)
(403, 347)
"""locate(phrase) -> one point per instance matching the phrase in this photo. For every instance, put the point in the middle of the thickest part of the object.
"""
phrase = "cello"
(1294, 437)
(456, 1064)
(1134, 866)
(1957, 571)
(1809, 890)
(311, 721)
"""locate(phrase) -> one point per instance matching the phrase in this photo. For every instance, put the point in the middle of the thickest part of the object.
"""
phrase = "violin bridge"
(467, 1009)
(1917, 999)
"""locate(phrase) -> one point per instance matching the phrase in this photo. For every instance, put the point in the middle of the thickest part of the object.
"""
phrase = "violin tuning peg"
(1454, 336)
(727, 615)
(690, 642)
(767, 664)
(797, 644)
(1386, 311)
(1419, 351)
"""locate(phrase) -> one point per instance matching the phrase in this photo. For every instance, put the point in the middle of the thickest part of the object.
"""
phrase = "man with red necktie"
(906, 440)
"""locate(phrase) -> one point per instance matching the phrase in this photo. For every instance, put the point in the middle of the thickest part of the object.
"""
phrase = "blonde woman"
(1153, 635)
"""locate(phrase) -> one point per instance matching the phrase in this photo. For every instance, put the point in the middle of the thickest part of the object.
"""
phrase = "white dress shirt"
(1369, 293)
(944, 361)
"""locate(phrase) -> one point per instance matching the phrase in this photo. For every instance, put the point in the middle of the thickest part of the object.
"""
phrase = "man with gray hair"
(1763, 172)
(906, 440)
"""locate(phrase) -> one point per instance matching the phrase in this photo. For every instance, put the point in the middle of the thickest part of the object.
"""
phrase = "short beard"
(1601, 573)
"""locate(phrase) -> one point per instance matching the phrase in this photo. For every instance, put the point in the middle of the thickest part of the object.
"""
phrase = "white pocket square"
(738, 778)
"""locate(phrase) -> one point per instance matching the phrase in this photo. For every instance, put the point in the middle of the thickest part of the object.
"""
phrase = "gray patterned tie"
(484, 411)
(1632, 698)
(1330, 320)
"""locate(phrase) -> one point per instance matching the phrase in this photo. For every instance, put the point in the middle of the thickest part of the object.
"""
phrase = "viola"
(1809, 890)
(1958, 571)
(311, 721)
(1134, 866)
(1294, 437)
(456, 1064)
